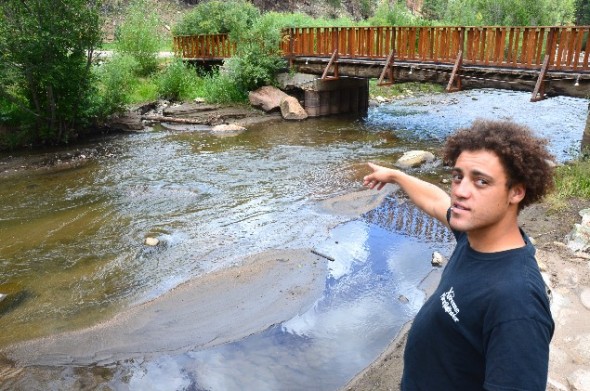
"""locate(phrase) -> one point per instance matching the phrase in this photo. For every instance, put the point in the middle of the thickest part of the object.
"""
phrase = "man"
(488, 325)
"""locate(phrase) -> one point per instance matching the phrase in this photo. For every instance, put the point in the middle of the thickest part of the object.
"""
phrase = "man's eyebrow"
(472, 173)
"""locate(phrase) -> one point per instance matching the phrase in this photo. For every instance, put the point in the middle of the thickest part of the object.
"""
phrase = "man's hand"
(379, 177)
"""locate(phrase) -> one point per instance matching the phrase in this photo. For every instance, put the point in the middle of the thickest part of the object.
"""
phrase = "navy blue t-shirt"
(486, 327)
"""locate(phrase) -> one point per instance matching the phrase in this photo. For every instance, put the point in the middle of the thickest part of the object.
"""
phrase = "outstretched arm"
(430, 198)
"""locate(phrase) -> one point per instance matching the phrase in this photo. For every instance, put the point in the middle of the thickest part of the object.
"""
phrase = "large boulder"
(291, 109)
(268, 98)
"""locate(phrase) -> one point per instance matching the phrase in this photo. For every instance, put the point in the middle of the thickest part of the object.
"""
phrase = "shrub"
(177, 80)
(116, 78)
(138, 37)
(217, 17)
(220, 88)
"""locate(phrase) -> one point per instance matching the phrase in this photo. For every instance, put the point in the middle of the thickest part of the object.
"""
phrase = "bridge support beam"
(337, 96)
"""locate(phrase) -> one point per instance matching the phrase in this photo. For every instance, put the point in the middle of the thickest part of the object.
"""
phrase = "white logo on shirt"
(449, 305)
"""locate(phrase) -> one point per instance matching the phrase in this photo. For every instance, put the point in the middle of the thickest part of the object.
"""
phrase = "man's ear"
(516, 193)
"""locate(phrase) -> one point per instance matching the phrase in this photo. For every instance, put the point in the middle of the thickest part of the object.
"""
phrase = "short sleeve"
(517, 356)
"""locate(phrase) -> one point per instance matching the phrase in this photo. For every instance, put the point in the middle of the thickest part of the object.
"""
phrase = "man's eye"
(456, 178)
(481, 182)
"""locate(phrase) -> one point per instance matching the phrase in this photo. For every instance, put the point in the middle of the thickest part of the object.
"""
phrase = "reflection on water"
(72, 251)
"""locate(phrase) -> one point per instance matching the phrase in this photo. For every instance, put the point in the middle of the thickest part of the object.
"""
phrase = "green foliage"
(45, 69)
(177, 81)
(116, 79)
(582, 12)
(217, 17)
(402, 89)
(571, 181)
(220, 88)
(138, 36)
(396, 14)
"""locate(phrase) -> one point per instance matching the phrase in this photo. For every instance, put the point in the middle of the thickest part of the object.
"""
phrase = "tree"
(46, 50)
(583, 12)
(138, 36)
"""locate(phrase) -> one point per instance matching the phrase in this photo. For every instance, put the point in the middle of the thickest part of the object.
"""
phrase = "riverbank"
(567, 274)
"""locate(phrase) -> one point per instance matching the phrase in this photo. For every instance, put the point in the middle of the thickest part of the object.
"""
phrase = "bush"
(116, 79)
(220, 88)
(218, 17)
(177, 81)
(139, 37)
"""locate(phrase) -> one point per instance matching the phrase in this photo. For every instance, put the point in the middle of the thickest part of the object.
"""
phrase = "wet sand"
(218, 308)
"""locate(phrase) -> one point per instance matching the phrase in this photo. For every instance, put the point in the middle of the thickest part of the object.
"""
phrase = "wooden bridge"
(554, 59)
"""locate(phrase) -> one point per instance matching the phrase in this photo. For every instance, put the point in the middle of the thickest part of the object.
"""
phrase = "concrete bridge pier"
(337, 96)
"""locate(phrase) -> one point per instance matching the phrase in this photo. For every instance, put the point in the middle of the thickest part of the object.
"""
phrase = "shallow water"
(72, 250)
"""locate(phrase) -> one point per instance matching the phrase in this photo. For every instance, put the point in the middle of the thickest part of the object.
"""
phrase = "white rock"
(437, 259)
(228, 128)
(585, 298)
(579, 238)
(579, 380)
(2, 296)
(414, 158)
(151, 241)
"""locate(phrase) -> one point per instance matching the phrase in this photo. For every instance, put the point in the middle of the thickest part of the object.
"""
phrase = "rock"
(403, 299)
(151, 241)
(585, 298)
(2, 296)
(228, 128)
(579, 238)
(268, 98)
(290, 81)
(437, 259)
(380, 99)
(291, 109)
(414, 159)
(126, 122)
(579, 380)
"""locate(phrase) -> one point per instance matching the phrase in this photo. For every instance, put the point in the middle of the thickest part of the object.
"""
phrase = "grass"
(571, 181)
(397, 89)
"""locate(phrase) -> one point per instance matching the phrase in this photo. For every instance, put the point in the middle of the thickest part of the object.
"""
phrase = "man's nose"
(461, 188)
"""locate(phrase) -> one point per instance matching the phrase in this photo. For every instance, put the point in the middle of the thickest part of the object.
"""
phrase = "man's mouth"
(456, 207)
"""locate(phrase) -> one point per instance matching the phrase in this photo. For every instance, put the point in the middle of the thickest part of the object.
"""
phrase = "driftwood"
(191, 121)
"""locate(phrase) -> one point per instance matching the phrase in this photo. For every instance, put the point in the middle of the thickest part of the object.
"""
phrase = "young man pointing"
(488, 324)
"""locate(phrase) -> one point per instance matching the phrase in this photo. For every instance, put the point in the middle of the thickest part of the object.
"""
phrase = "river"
(73, 253)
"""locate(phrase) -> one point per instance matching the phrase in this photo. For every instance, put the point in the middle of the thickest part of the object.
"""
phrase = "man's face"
(480, 197)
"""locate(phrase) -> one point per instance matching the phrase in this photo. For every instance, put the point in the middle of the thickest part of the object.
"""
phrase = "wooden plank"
(562, 46)
(333, 61)
(539, 91)
(578, 48)
(571, 47)
(455, 80)
(387, 71)
(413, 43)
(585, 64)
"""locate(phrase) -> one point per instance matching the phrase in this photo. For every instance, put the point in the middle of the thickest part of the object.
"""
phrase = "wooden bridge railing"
(205, 46)
(515, 47)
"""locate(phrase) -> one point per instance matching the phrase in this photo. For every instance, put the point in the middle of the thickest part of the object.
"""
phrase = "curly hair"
(525, 158)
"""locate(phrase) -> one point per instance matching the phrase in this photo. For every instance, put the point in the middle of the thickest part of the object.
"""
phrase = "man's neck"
(496, 239)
